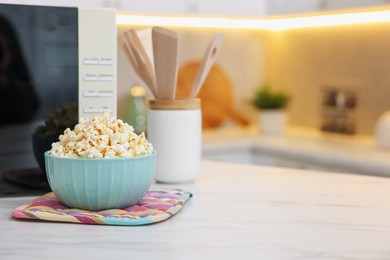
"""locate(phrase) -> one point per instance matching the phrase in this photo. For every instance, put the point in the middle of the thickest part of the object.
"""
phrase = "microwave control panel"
(97, 62)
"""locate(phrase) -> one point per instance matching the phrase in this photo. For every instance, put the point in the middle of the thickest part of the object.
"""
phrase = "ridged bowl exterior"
(96, 184)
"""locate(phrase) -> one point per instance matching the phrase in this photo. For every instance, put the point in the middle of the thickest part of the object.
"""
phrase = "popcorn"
(101, 137)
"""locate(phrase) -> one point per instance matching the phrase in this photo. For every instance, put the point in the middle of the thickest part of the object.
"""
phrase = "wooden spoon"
(134, 62)
(143, 71)
(207, 62)
(128, 52)
(165, 52)
(147, 63)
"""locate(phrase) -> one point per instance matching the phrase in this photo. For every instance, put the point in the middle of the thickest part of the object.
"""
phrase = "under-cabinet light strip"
(265, 24)
(198, 22)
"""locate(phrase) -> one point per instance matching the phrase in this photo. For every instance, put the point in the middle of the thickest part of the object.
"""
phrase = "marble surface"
(300, 148)
(237, 212)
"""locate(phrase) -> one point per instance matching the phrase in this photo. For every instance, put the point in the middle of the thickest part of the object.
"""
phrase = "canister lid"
(177, 104)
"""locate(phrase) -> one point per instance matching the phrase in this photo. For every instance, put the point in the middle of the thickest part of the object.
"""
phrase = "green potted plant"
(272, 109)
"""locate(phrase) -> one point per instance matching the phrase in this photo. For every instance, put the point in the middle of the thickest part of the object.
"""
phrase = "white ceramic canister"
(175, 130)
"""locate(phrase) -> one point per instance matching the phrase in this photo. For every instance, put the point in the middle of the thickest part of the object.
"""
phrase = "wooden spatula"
(144, 69)
(132, 57)
(206, 64)
(147, 63)
(165, 52)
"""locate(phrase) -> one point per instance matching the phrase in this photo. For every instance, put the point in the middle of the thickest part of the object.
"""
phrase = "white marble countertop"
(354, 154)
(237, 212)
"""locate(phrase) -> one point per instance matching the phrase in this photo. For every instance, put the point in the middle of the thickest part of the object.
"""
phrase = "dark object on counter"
(348, 128)
(63, 118)
(339, 110)
(42, 139)
(41, 144)
(32, 178)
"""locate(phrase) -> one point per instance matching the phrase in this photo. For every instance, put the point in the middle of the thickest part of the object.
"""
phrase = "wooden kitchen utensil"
(142, 68)
(165, 52)
(128, 52)
(206, 64)
(134, 62)
(146, 61)
(217, 95)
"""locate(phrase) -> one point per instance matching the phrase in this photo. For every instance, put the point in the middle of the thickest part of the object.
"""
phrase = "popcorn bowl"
(97, 184)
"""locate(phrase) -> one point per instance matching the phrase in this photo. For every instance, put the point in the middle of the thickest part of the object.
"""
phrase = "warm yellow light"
(265, 24)
(198, 22)
(332, 19)
(137, 91)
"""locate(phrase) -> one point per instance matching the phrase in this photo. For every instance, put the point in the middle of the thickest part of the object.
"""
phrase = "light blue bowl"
(96, 184)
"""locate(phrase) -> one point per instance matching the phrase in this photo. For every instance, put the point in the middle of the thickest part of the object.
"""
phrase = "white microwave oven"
(49, 57)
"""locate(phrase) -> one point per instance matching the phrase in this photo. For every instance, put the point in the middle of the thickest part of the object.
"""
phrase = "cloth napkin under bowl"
(155, 206)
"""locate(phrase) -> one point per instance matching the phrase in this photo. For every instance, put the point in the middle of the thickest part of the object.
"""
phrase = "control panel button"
(91, 110)
(90, 77)
(106, 77)
(91, 61)
(105, 61)
(106, 93)
(98, 61)
(91, 94)
(103, 110)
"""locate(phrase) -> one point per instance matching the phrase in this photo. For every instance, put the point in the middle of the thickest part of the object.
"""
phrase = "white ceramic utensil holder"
(175, 130)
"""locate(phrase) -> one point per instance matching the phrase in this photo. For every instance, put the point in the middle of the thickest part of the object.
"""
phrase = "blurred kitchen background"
(324, 53)
(303, 61)
(343, 57)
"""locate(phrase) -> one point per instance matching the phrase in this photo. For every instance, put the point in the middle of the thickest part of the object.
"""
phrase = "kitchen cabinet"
(229, 7)
(240, 8)
(202, 7)
(337, 4)
(280, 7)
(206, 7)
(276, 7)
(148, 6)
(68, 3)
(193, 7)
